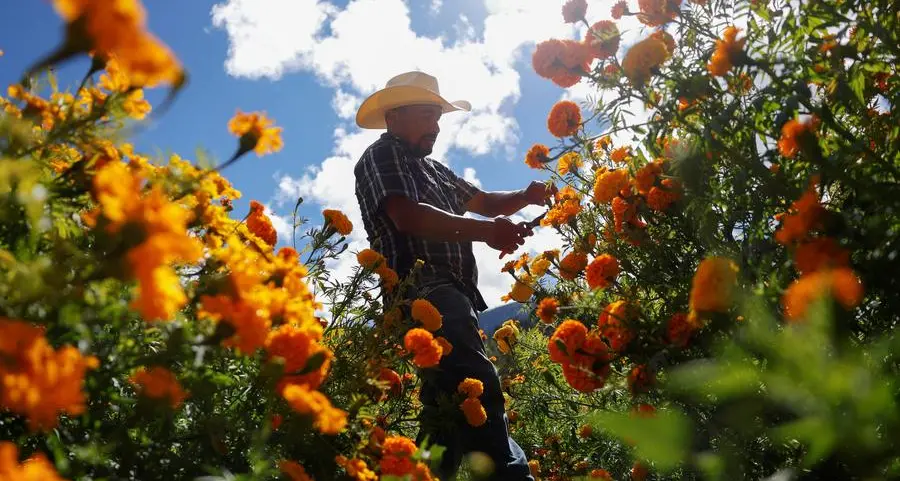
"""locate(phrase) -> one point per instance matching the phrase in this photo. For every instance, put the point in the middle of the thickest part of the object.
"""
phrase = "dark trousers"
(439, 386)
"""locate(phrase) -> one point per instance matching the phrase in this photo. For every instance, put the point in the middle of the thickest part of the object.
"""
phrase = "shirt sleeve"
(382, 174)
(465, 190)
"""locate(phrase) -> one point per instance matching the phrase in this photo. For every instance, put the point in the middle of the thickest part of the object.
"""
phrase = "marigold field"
(724, 307)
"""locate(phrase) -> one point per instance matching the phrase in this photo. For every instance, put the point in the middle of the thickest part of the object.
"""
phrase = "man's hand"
(506, 236)
(537, 192)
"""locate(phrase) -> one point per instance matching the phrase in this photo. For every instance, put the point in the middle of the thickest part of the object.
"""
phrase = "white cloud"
(435, 7)
(470, 175)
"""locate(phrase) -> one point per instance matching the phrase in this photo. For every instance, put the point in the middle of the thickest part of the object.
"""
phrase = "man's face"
(418, 126)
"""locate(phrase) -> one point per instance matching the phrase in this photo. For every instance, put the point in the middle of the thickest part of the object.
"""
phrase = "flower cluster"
(471, 405)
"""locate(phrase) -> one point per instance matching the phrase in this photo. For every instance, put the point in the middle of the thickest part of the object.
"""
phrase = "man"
(413, 208)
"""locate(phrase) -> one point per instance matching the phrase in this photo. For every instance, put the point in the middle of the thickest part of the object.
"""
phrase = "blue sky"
(309, 63)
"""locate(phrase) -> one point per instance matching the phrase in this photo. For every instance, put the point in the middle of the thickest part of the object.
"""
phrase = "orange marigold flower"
(646, 176)
(679, 330)
(369, 259)
(794, 133)
(842, 284)
(585, 431)
(665, 38)
(338, 220)
(389, 277)
(639, 379)
(537, 155)
(535, 467)
(38, 381)
(521, 291)
(257, 132)
(250, 322)
(570, 162)
(295, 347)
(713, 286)
(658, 12)
(293, 470)
(473, 411)
(159, 383)
(804, 215)
(425, 312)
(397, 456)
(600, 475)
(728, 52)
(564, 119)
(567, 205)
(586, 376)
(574, 10)
(566, 340)
(547, 309)
(642, 58)
(602, 39)
(603, 143)
(471, 387)
(572, 264)
(820, 253)
(620, 155)
(35, 468)
(613, 324)
(644, 410)
(619, 9)
(602, 271)
(327, 419)
(660, 198)
(389, 376)
(427, 352)
(260, 224)
(546, 59)
(608, 184)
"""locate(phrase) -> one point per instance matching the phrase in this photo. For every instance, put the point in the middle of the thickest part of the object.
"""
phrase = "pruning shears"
(530, 225)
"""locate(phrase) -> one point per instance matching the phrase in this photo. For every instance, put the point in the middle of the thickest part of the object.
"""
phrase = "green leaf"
(813, 432)
(663, 439)
(716, 379)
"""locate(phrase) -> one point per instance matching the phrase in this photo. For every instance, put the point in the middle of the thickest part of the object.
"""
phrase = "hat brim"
(371, 113)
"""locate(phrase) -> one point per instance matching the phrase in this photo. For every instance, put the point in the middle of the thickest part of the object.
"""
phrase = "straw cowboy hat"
(410, 88)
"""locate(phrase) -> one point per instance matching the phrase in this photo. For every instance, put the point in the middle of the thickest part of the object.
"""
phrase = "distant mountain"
(491, 319)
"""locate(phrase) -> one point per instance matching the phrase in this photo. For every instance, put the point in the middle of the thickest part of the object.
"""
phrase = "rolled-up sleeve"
(382, 174)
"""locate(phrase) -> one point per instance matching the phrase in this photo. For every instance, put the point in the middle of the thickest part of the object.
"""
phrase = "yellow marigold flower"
(603, 143)
(397, 453)
(506, 336)
(159, 383)
(356, 468)
(713, 286)
(35, 468)
(135, 105)
(539, 266)
(473, 411)
(842, 284)
(326, 418)
(602, 271)
(536, 156)
(369, 259)
(425, 312)
(446, 347)
(564, 119)
(295, 346)
(642, 58)
(535, 467)
(572, 264)
(256, 132)
(338, 220)
(471, 387)
(521, 290)
(570, 162)
(547, 309)
(608, 185)
(426, 350)
(38, 381)
(566, 207)
(728, 52)
(293, 470)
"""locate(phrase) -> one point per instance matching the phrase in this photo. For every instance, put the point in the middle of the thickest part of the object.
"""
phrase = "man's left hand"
(537, 192)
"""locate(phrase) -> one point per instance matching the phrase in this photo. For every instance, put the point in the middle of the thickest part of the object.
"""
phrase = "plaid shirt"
(387, 167)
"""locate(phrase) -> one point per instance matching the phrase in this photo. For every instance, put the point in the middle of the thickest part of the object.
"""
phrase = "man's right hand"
(505, 236)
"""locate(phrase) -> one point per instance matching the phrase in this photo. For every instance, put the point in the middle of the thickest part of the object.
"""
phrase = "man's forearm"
(504, 203)
(428, 222)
